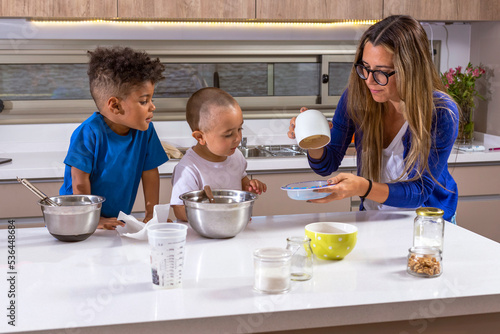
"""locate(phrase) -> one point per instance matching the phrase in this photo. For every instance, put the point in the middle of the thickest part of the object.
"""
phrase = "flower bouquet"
(462, 88)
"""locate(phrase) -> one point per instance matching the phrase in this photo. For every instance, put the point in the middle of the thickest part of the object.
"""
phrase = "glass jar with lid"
(428, 228)
(425, 261)
(272, 269)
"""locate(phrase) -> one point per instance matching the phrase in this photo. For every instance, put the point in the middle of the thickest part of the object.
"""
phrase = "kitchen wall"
(55, 137)
(485, 50)
(455, 38)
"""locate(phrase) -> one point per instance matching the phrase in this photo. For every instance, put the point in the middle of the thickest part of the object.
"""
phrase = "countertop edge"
(269, 320)
(50, 164)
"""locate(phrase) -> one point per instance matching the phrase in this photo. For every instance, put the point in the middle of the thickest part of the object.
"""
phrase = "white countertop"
(44, 159)
(106, 281)
(49, 165)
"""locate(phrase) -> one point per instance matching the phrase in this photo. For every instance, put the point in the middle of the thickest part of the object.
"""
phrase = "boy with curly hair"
(216, 120)
(117, 146)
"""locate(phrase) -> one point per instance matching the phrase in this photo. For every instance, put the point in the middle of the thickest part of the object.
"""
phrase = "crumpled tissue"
(138, 230)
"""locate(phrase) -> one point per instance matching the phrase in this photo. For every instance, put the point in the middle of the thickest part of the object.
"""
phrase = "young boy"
(216, 119)
(114, 148)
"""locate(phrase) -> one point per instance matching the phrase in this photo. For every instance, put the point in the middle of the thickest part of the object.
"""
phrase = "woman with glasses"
(403, 122)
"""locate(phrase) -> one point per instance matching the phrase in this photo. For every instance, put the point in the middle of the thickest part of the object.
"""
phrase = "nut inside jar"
(425, 262)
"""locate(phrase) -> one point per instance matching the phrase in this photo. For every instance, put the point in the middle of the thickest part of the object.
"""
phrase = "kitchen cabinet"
(319, 10)
(445, 10)
(181, 9)
(19, 202)
(267, 10)
(58, 8)
(479, 199)
(165, 192)
(276, 201)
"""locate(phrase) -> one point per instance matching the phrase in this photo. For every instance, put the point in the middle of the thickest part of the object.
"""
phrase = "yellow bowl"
(332, 241)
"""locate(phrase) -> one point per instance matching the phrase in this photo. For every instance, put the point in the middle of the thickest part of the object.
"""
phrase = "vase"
(466, 126)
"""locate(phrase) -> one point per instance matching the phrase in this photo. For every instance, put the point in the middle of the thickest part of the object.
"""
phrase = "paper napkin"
(136, 229)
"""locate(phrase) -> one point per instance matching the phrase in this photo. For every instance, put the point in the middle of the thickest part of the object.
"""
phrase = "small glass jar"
(302, 258)
(425, 262)
(272, 270)
(428, 228)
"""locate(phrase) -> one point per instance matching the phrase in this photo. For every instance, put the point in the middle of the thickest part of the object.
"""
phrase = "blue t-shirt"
(424, 191)
(115, 163)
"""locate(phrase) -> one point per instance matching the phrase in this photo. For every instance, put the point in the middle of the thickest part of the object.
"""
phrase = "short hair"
(199, 107)
(117, 70)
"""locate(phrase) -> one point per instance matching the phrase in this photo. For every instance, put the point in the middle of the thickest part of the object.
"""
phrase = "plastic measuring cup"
(167, 242)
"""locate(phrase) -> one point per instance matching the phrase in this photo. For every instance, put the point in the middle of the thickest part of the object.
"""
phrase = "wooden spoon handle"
(208, 192)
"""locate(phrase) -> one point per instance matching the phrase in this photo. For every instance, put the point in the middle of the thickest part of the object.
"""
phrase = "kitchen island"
(103, 284)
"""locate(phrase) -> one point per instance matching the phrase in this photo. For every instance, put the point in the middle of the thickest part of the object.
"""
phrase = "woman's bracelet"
(369, 189)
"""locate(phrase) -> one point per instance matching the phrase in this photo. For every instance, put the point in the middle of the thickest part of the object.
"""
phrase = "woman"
(404, 125)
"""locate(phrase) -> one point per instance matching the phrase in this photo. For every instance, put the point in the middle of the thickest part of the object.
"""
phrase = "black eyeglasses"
(380, 77)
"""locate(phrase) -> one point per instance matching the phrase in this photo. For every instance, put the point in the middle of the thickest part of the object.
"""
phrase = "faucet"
(244, 142)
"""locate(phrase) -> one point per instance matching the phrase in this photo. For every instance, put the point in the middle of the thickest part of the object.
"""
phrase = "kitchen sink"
(263, 151)
(267, 151)
(284, 150)
(254, 152)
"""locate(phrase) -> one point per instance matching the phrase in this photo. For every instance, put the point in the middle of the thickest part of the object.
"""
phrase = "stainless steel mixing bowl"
(75, 219)
(225, 218)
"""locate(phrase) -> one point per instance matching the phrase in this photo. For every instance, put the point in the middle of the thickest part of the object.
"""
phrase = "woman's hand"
(109, 223)
(344, 185)
(291, 128)
(313, 153)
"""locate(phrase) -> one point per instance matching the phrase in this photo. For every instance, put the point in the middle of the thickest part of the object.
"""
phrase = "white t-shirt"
(193, 173)
(392, 168)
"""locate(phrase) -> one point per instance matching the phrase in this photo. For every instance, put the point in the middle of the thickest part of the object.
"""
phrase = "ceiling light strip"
(212, 23)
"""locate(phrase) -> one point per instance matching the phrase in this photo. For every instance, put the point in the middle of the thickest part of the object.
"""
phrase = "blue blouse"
(423, 191)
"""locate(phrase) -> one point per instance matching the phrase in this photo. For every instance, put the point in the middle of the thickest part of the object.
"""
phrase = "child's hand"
(109, 223)
(256, 186)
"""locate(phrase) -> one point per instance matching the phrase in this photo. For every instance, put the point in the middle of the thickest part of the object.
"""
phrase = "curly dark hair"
(116, 71)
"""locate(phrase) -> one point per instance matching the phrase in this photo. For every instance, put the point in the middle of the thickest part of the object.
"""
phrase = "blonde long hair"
(417, 79)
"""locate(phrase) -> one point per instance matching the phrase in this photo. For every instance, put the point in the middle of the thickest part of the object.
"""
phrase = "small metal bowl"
(225, 218)
(75, 219)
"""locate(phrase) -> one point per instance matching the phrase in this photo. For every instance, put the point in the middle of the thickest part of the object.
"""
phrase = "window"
(43, 82)
(47, 81)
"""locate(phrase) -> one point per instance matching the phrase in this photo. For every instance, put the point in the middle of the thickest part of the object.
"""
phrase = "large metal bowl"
(75, 219)
(225, 218)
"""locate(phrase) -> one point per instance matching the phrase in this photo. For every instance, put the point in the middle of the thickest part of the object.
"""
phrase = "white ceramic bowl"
(303, 191)
(312, 129)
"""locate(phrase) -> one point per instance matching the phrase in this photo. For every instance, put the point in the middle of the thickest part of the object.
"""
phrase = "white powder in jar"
(272, 269)
(273, 279)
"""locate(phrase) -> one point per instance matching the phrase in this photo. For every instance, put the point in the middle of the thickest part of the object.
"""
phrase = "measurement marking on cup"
(11, 273)
(167, 254)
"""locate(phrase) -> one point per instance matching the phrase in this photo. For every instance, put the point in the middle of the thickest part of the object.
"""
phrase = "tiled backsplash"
(55, 137)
